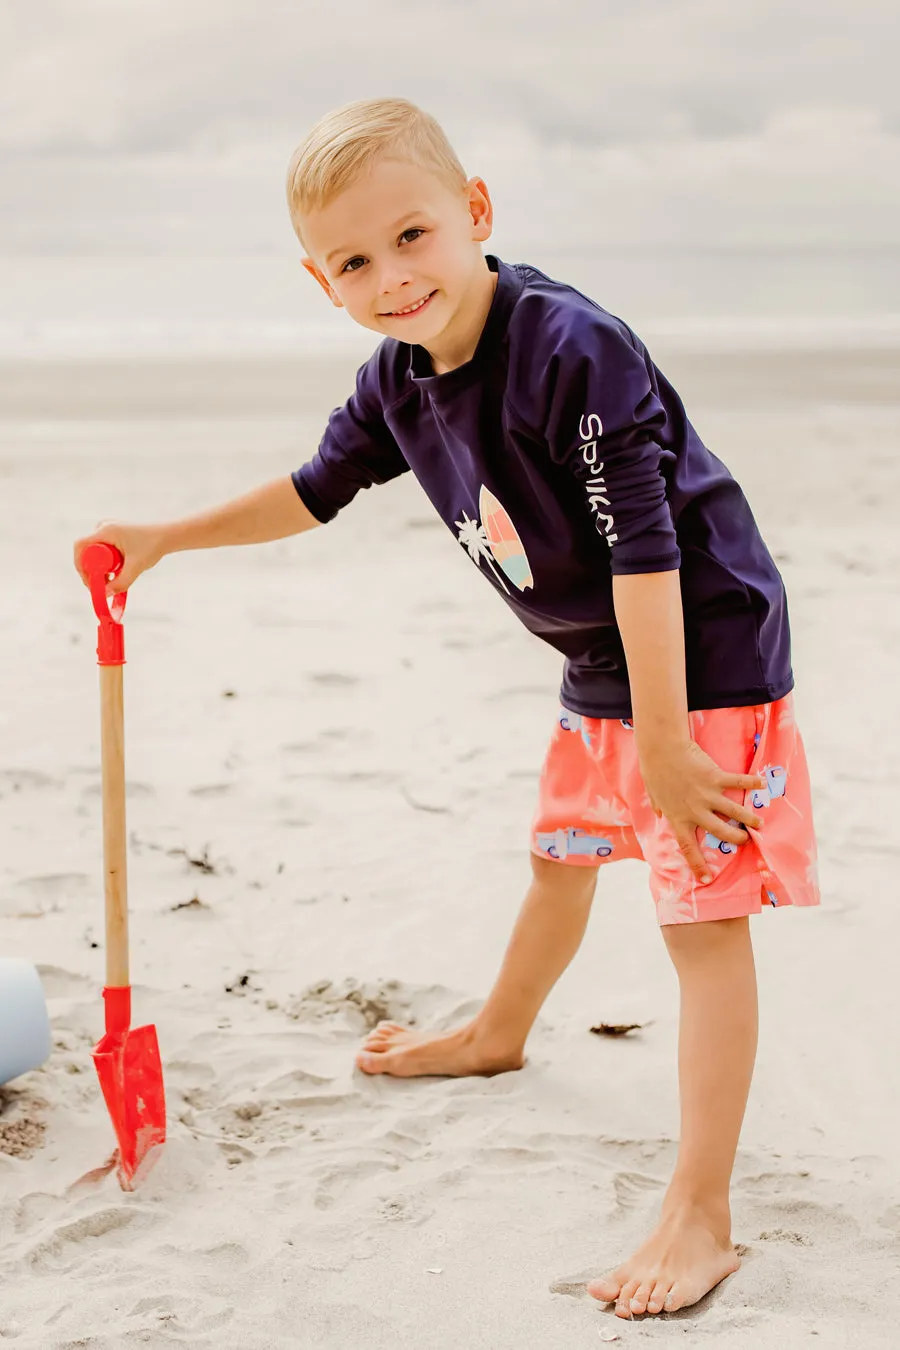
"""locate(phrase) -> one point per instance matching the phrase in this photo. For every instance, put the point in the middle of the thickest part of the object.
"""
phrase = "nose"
(392, 277)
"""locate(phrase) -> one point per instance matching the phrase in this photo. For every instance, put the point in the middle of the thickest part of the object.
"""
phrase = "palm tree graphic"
(473, 536)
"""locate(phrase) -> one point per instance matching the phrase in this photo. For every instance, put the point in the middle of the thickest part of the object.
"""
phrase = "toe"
(675, 1297)
(607, 1287)
(626, 1294)
(657, 1300)
(369, 1062)
(641, 1296)
(384, 1038)
(383, 1033)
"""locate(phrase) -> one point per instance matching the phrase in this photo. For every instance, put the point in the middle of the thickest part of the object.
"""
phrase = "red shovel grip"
(100, 562)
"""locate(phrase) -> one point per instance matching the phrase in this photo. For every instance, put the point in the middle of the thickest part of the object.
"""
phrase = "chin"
(417, 335)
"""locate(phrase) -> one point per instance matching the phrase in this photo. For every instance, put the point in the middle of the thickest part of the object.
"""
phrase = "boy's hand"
(688, 788)
(140, 545)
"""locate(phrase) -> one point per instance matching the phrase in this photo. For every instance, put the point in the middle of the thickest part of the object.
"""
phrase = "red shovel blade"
(131, 1078)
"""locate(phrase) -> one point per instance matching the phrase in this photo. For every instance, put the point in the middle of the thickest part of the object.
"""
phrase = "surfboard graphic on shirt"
(496, 540)
(504, 541)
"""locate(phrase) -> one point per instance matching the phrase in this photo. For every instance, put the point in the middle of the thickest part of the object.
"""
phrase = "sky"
(163, 129)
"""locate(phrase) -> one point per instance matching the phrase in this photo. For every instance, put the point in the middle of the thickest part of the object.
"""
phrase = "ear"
(323, 282)
(480, 208)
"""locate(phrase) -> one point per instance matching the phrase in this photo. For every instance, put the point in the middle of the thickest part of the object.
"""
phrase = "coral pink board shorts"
(593, 808)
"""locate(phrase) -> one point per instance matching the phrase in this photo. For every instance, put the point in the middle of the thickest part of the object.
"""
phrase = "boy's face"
(394, 238)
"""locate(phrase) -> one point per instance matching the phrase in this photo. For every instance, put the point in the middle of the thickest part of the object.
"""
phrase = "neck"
(457, 344)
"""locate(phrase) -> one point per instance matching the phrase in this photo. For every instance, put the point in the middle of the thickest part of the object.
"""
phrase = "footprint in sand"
(890, 1219)
(33, 897)
(235, 1154)
(411, 1209)
(574, 1286)
(169, 1315)
(336, 1182)
(60, 983)
(781, 1202)
(52, 1253)
(633, 1189)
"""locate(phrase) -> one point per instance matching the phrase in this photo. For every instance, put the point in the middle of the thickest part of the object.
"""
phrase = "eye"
(414, 229)
(348, 265)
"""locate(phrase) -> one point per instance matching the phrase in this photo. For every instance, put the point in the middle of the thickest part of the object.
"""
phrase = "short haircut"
(346, 142)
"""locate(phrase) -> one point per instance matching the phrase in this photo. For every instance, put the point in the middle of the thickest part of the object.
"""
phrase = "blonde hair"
(346, 142)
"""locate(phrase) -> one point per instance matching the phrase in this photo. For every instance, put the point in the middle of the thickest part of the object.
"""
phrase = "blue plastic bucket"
(24, 1024)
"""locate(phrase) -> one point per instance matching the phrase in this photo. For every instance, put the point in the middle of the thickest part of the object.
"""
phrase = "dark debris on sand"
(617, 1028)
(194, 903)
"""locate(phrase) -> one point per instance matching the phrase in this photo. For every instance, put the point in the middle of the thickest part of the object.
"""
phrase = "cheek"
(358, 301)
(349, 293)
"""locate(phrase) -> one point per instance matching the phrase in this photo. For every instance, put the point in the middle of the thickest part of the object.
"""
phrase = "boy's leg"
(546, 936)
(691, 1249)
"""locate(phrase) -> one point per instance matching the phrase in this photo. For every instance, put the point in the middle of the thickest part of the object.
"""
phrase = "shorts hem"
(737, 905)
(575, 859)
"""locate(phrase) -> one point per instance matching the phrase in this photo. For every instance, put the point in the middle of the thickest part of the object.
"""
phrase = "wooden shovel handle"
(100, 561)
(115, 877)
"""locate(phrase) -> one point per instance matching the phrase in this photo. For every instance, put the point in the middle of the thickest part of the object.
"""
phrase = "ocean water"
(169, 306)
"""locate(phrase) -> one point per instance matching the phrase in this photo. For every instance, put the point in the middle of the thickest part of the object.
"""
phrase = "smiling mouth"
(409, 309)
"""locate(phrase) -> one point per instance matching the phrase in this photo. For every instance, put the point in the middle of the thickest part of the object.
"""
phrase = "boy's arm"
(683, 783)
(272, 511)
(356, 450)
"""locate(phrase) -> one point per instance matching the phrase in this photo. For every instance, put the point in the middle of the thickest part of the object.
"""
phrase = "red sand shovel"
(127, 1058)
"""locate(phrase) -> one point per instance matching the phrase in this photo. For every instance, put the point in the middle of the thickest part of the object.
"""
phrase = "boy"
(563, 460)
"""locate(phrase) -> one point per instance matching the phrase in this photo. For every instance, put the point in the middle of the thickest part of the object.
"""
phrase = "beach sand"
(332, 747)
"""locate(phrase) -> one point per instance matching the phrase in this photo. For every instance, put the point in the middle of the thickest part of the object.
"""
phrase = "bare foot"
(396, 1050)
(680, 1262)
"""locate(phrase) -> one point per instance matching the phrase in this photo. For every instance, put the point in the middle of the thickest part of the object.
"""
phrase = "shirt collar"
(506, 293)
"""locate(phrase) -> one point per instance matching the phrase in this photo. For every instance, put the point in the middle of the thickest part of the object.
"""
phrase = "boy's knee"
(563, 877)
(705, 934)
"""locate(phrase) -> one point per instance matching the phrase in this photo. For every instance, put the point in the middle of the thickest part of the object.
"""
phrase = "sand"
(332, 745)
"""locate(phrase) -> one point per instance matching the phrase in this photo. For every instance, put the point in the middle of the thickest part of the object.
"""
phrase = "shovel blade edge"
(131, 1079)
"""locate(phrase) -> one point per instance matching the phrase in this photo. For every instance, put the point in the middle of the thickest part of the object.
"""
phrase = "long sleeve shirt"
(559, 456)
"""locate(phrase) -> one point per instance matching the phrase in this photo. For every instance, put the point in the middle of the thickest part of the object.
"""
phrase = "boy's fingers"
(746, 814)
(78, 552)
(723, 829)
(687, 844)
(743, 780)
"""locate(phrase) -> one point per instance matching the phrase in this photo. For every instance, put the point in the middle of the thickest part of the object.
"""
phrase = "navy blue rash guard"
(559, 456)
